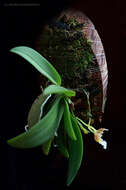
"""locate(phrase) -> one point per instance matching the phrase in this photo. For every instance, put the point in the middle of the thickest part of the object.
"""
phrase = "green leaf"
(39, 62)
(36, 109)
(42, 131)
(61, 141)
(46, 146)
(67, 122)
(54, 89)
(75, 152)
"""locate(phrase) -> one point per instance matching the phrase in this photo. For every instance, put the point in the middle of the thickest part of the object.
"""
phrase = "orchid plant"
(51, 118)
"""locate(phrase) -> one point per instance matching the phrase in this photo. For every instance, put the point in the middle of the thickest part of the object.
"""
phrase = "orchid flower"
(97, 136)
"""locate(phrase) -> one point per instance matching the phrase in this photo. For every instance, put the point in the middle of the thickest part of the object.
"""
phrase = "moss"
(64, 44)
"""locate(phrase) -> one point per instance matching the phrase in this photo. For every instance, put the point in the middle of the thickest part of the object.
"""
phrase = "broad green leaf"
(75, 152)
(41, 131)
(61, 141)
(67, 122)
(39, 62)
(36, 109)
(54, 89)
(46, 146)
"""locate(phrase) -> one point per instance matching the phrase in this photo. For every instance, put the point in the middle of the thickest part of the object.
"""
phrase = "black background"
(30, 169)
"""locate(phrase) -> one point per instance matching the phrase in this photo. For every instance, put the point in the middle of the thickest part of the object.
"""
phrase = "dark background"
(30, 169)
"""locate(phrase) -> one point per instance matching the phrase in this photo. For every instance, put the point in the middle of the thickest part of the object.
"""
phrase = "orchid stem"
(92, 129)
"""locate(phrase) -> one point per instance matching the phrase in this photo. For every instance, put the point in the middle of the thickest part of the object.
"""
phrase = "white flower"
(97, 136)
(104, 144)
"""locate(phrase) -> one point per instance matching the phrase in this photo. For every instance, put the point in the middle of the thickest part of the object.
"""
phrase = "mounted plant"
(52, 117)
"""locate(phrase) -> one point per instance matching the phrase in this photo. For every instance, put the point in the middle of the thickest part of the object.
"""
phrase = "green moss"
(66, 47)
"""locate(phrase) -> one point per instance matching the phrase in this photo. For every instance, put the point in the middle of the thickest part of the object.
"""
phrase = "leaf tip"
(10, 143)
(68, 182)
(12, 50)
(74, 137)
